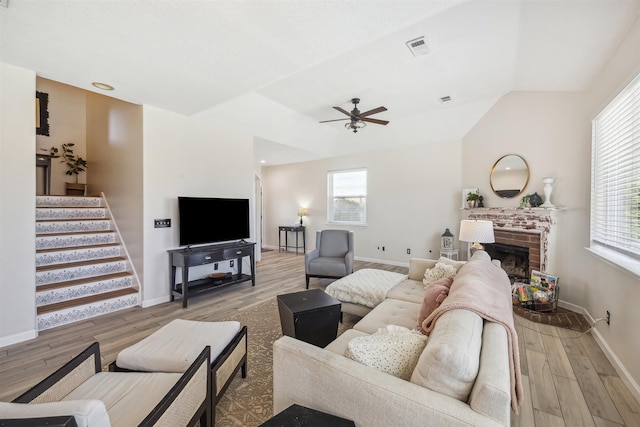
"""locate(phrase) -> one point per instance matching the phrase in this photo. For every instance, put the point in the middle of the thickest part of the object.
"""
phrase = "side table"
(296, 415)
(311, 316)
(449, 253)
(297, 229)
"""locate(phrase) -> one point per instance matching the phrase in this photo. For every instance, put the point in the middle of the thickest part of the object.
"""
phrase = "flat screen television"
(212, 220)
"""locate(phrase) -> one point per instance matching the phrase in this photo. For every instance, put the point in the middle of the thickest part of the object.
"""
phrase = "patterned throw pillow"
(438, 272)
(394, 350)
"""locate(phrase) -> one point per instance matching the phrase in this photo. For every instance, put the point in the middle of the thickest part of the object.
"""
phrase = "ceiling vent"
(445, 99)
(4, 3)
(418, 46)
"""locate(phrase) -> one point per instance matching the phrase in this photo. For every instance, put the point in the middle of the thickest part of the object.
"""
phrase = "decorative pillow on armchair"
(439, 271)
(435, 293)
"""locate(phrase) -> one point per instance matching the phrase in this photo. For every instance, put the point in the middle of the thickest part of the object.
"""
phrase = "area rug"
(249, 401)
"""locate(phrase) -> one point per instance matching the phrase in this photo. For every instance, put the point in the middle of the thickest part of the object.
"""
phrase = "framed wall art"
(42, 113)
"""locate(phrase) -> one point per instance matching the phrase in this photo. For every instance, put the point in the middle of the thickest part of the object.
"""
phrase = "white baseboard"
(17, 338)
(625, 376)
(155, 301)
(382, 261)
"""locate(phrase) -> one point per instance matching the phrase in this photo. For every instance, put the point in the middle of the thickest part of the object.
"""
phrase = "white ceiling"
(276, 68)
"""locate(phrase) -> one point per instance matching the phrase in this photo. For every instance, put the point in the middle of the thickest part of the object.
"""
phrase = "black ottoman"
(296, 415)
(311, 316)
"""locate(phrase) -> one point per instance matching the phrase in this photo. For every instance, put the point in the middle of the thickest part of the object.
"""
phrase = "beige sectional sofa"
(462, 377)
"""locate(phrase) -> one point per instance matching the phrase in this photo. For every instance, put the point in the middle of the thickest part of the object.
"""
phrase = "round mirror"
(509, 176)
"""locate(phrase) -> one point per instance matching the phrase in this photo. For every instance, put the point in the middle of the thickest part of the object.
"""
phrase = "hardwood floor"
(567, 379)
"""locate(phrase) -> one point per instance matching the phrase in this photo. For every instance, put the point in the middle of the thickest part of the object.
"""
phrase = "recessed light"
(263, 161)
(102, 86)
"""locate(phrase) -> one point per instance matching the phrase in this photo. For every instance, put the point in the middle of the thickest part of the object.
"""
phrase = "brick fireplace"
(534, 229)
(530, 242)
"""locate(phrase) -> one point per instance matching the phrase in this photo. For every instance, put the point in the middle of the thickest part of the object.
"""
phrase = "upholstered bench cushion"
(389, 312)
(121, 393)
(87, 413)
(176, 345)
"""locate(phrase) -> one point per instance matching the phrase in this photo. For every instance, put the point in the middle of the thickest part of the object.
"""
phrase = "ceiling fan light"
(354, 125)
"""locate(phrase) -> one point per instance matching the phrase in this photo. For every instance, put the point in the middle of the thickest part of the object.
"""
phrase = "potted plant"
(472, 199)
(75, 166)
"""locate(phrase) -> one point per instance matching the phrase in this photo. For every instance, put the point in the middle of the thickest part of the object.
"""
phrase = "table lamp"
(476, 232)
(302, 212)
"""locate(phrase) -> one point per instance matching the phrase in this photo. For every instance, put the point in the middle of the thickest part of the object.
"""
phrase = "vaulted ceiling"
(275, 68)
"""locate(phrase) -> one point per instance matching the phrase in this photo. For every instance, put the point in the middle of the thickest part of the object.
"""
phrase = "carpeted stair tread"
(85, 300)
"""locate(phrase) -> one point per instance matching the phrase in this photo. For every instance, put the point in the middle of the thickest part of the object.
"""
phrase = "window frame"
(605, 213)
(330, 197)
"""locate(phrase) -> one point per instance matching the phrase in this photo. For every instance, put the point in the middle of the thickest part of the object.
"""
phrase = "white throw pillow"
(394, 350)
(439, 271)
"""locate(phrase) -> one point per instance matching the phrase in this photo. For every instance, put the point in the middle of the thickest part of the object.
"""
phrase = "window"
(347, 197)
(615, 175)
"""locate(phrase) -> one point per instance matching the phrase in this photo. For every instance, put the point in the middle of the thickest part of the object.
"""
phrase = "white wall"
(606, 287)
(114, 145)
(552, 131)
(17, 205)
(185, 156)
(413, 194)
(66, 125)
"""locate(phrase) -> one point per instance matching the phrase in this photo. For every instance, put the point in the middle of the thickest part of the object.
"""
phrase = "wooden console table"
(191, 257)
(295, 229)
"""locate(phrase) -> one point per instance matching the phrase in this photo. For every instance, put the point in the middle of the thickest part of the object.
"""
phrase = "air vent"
(445, 99)
(4, 3)
(418, 46)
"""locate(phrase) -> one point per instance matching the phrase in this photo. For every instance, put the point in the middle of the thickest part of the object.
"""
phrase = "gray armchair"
(332, 257)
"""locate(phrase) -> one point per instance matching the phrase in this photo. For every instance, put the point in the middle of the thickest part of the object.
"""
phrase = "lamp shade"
(476, 231)
(303, 211)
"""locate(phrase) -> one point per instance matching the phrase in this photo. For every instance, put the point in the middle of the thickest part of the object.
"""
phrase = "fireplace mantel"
(539, 221)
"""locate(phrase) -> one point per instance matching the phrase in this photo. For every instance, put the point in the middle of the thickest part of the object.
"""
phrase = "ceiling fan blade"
(343, 111)
(376, 121)
(335, 120)
(374, 111)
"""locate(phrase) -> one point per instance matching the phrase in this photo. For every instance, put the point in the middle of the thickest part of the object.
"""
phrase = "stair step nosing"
(70, 293)
(55, 275)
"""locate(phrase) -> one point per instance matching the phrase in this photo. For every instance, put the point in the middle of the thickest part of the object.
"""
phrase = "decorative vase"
(548, 188)
(535, 200)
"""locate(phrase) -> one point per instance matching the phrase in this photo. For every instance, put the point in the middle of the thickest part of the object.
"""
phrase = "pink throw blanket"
(485, 289)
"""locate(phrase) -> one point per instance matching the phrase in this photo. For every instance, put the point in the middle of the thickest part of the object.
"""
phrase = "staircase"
(82, 270)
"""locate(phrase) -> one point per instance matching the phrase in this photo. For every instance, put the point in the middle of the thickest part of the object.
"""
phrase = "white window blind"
(615, 186)
(347, 197)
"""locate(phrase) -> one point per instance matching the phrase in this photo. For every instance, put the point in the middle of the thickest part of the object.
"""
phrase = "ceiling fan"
(358, 120)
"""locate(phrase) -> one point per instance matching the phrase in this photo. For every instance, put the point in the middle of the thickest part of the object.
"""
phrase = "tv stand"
(191, 257)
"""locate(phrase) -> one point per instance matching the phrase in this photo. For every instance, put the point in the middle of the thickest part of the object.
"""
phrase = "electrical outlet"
(162, 223)
(608, 317)
(231, 263)
(215, 266)
(408, 251)
(383, 248)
